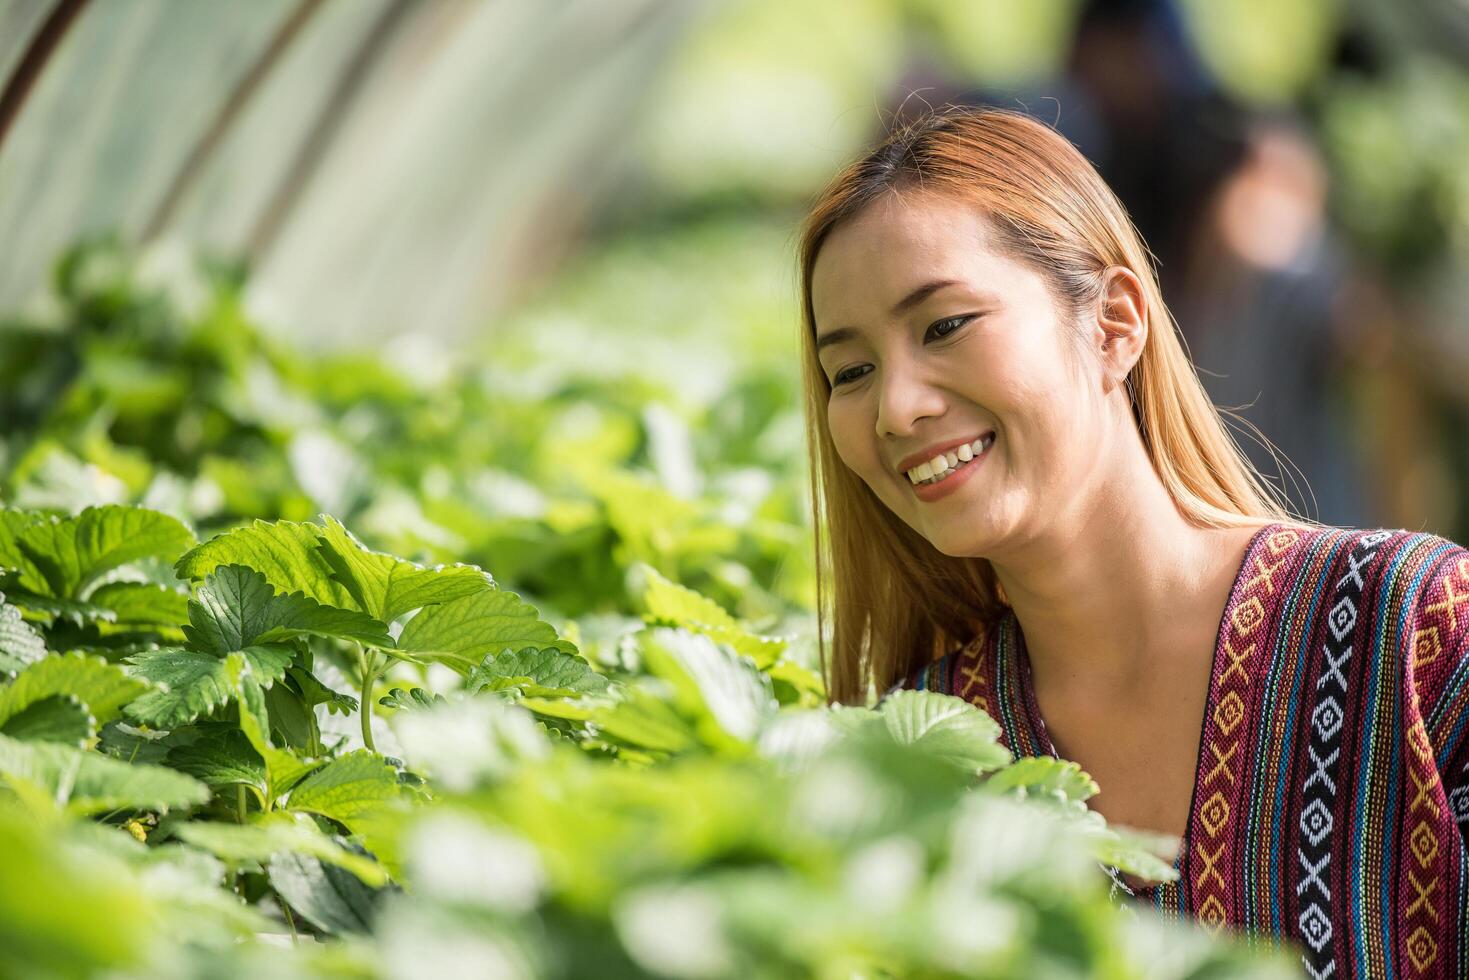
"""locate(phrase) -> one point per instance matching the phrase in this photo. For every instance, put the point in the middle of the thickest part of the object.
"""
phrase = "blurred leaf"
(333, 900)
(277, 833)
(945, 727)
(1043, 776)
(59, 718)
(87, 783)
(712, 684)
(102, 688)
(60, 556)
(645, 720)
(675, 605)
(65, 912)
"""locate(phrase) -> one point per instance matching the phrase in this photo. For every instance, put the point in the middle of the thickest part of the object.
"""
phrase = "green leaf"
(283, 768)
(946, 727)
(58, 718)
(329, 898)
(1135, 851)
(347, 787)
(122, 741)
(87, 783)
(539, 672)
(191, 683)
(725, 693)
(315, 692)
(292, 722)
(101, 687)
(289, 555)
(671, 604)
(13, 557)
(804, 684)
(49, 609)
(221, 759)
(141, 604)
(66, 912)
(331, 567)
(646, 721)
(19, 643)
(1045, 777)
(460, 633)
(413, 699)
(677, 605)
(275, 833)
(236, 608)
(580, 710)
(386, 587)
(64, 555)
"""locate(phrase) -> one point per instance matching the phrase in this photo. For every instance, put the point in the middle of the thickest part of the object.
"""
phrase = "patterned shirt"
(1331, 791)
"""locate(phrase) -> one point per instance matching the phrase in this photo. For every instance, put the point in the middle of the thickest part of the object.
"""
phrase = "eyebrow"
(915, 297)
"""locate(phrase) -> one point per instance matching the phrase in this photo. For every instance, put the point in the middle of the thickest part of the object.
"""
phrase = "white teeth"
(941, 466)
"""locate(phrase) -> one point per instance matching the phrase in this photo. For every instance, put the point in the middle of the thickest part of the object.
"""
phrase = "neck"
(1117, 584)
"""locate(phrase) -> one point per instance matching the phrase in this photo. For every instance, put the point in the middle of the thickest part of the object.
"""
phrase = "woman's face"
(918, 370)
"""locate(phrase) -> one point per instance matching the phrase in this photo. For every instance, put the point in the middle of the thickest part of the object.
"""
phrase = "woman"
(1025, 499)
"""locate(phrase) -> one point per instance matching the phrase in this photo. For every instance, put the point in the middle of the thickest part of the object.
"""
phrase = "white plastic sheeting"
(386, 166)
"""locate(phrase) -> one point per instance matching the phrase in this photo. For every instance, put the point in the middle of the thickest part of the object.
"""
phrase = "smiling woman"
(947, 278)
(1025, 498)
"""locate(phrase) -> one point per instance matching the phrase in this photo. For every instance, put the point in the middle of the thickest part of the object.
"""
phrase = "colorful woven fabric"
(1331, 792)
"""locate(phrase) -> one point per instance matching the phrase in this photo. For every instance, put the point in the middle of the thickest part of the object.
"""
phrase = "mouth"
(944, 465)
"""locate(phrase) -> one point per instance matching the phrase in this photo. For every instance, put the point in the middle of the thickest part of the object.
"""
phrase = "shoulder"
(1428, 590)
(1406, 594)
(1389, 567)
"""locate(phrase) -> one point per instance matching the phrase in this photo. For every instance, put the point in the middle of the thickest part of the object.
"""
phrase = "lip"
(929, 492)
(923, 456)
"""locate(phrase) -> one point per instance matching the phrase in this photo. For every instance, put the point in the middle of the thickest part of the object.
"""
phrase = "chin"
(953, 547)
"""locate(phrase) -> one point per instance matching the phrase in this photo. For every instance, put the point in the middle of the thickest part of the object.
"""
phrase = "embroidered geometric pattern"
(1313, 853)
(1331, 792)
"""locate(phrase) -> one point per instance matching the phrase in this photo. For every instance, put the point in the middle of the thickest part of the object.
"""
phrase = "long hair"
(889, 599)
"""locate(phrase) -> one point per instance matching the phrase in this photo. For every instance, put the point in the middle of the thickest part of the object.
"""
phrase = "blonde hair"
(893, 601)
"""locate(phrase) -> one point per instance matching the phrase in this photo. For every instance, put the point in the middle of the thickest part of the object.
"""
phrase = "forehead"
(872, 259)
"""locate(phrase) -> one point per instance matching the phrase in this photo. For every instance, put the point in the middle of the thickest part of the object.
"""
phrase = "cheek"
(851, 435)
(844, 426)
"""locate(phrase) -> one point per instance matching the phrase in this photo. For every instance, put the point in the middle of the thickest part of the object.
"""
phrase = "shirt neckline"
(1037, 724)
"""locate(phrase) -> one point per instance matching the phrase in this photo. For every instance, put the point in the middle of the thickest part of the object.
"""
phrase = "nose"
(903, 398)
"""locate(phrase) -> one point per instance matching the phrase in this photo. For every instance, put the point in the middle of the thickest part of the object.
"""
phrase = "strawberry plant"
(687, 807)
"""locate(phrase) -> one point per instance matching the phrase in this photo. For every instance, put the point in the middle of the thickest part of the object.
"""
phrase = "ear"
(1121, 327)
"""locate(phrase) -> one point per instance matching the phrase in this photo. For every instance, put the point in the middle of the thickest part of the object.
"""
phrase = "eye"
(845, 376)
(956, 321)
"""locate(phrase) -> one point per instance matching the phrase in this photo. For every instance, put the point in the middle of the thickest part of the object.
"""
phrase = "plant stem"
(370, 667)
(290, 920)
(240, 802)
